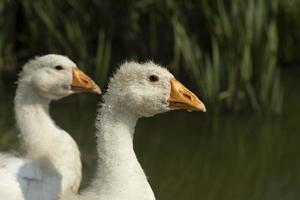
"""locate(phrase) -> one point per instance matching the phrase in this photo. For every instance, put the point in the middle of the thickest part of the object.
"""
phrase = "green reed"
(229, 52)
(241, 69)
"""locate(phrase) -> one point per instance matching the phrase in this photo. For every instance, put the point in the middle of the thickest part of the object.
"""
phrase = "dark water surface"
(191, 156)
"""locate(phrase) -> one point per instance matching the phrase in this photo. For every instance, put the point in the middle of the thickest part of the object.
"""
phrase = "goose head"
(56, 76)
(148, 89)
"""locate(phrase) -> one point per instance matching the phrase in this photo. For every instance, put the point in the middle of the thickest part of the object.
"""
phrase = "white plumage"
(136, 90)
(51, 163)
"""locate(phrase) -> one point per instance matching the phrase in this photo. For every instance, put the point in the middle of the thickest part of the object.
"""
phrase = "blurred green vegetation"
(241, 70)
(227, 49)
(289, 32)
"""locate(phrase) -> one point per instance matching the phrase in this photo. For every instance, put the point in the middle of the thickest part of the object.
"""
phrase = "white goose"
(136, 90)
(52, 162)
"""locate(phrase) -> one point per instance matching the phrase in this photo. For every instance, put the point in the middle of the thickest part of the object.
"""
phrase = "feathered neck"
(119, 174)
(44, 142)
(33, 119)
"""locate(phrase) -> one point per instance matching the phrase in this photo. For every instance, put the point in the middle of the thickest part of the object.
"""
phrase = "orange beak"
(182, 98)
(82, 83)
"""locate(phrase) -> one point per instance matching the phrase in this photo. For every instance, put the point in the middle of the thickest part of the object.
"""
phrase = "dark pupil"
(58, 67)
(153, 78)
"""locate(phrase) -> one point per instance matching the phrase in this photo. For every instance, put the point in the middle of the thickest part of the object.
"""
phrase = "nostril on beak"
(85, 81)
(187, 96)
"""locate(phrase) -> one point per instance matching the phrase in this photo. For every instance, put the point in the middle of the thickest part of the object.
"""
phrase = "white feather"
(52, 160)
(130, 95)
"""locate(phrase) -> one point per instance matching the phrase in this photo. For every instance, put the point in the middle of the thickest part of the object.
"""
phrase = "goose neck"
(119, 173)
(43, 140)
(115, 132)
(33, 120)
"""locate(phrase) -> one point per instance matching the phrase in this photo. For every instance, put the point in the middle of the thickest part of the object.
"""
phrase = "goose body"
(135, 91)
(52, 162)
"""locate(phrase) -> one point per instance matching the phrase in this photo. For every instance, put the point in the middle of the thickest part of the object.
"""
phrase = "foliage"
(289, 31)
(241, 69)
(229, 55)
(7, 32)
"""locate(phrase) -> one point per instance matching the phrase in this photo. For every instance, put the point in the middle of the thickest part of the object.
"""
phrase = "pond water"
(191, 156)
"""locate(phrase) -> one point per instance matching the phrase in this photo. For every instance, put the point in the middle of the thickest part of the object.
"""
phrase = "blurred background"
(241, 57)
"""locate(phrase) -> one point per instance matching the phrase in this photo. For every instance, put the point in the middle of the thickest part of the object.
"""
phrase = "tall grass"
(31, 28)
(7, 35)
(241, 69)
(228, 50)
(289, 28)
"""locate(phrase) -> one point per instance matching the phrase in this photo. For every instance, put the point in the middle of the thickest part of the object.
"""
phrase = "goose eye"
(58, 67)
(153, 78)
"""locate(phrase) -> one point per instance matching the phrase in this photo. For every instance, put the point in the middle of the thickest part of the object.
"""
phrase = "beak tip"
(97, 90)
(202, 108)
